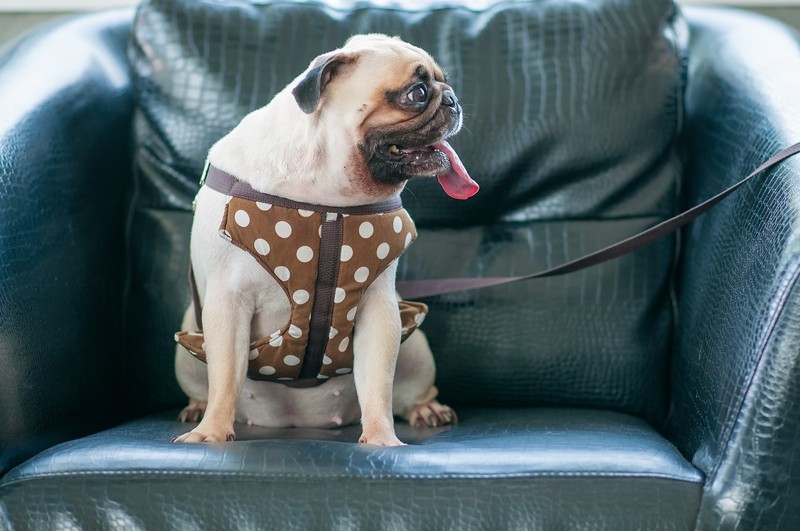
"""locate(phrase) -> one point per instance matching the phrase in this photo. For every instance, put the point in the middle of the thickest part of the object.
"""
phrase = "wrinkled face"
(395, 100)
(416, 115)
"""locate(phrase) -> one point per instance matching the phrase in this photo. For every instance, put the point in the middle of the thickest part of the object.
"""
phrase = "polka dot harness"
(324, 258)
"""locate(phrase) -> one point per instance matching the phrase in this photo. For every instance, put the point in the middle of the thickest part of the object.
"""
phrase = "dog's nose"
(449, 99)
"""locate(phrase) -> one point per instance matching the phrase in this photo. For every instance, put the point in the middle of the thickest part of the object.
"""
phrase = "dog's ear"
(323, 69)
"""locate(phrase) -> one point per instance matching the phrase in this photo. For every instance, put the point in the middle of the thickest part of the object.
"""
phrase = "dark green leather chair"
(658, 391)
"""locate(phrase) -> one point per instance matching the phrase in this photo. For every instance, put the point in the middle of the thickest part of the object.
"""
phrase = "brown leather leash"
(416, 289)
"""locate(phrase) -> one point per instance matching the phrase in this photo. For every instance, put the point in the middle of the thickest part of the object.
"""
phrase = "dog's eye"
(418, 94)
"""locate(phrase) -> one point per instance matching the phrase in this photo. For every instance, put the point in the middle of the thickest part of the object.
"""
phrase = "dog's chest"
(324, 261)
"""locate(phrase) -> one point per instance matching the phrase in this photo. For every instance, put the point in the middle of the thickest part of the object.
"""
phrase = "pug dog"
(282, 333)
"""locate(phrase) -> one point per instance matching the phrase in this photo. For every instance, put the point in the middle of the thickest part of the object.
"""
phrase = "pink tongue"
(456, 183)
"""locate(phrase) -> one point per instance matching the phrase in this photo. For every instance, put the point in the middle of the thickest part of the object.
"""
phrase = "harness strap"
(198, 310)
(225, 183)
(415, 289)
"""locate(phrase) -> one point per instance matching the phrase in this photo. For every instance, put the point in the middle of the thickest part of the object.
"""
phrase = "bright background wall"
(17, 16)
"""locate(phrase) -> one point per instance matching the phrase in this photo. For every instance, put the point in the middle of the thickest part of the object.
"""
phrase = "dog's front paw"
(201, 434)
(380, 439)
(433, 414)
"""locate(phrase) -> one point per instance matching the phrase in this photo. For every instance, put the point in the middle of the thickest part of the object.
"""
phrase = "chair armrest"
(65, 166)
(736, 372)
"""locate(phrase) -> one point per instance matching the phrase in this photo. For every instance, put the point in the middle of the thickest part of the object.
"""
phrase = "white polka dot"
(322, 377)
(305, 213)
(352, 313)
(242, 218)
(305, 254)
(263, 206)
(344, 370)
(262, 247)
(366, 229)
(408, 239)
(344, 344)
(283, 229)
(266, 370)
(361, 274)
(295, 331)
(339, 296)
(383, 250)
(397, 224)
(253, 354)
(332, 333)
(326, 360)
(291, 360)
(300, 296)
(282, 273)
(347, 253)
(276, 341)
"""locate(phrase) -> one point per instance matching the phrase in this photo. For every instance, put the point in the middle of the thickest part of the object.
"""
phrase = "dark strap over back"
(415, 289)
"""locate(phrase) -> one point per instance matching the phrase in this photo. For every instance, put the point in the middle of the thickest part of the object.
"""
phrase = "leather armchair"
(671, 402)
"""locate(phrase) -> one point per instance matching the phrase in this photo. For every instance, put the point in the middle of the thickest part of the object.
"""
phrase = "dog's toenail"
(337, 420)
(250, 422)
(337, 393)
(231, 437)
(250, 395)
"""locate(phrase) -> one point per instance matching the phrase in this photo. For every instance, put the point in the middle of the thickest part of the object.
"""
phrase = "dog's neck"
(228, 184)
(281, 151)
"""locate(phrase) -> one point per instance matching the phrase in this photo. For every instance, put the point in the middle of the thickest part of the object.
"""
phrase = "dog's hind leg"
(194, 411)
(413, 394)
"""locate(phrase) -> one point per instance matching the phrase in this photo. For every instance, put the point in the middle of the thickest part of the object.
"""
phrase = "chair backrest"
(572, 110)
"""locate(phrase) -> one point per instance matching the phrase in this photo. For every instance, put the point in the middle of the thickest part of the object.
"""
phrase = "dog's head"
(392, 105)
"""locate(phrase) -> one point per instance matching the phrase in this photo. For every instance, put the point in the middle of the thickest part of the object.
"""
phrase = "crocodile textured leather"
(572, 111)
(65, 113)
(500, 469)
(65, 116)
(736, 374)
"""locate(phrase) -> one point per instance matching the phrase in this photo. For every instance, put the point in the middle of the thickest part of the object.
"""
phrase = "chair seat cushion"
(501, 468)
